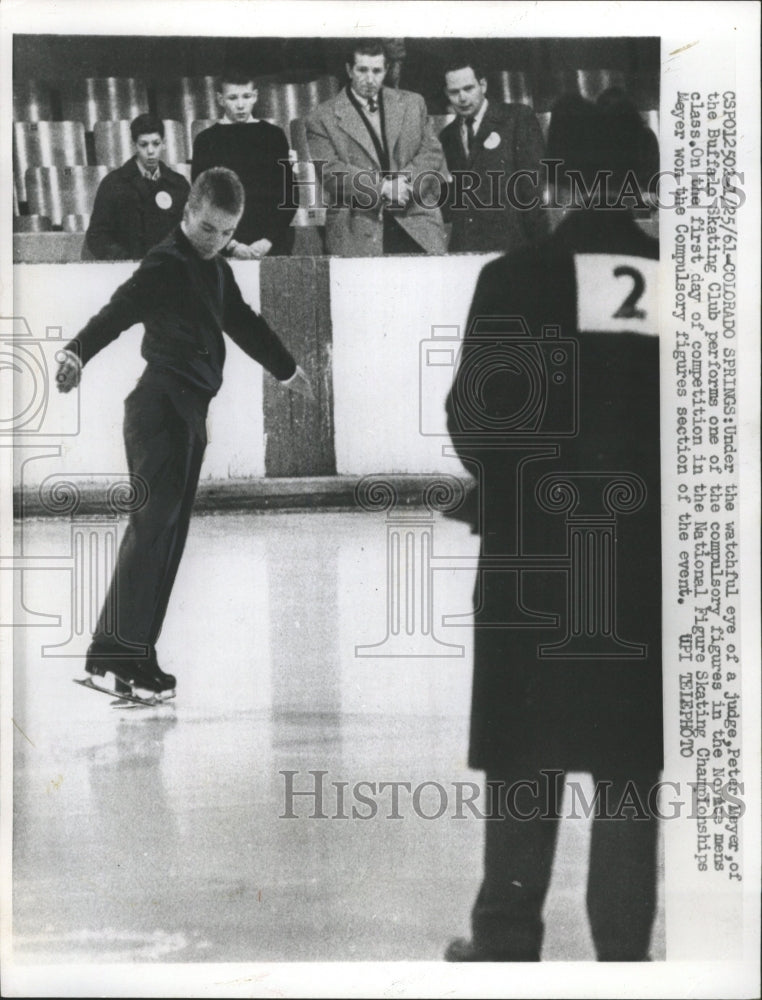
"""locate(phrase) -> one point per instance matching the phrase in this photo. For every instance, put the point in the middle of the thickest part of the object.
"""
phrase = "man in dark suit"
(140, 202)
(492, 205)
(555, 409)
(380, 163)
(185, 294)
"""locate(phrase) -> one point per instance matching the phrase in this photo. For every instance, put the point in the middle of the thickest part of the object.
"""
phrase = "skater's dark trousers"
(165, 438)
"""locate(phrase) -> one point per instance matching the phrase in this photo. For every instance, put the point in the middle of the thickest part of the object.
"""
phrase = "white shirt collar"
(155, 176)
(364, 100)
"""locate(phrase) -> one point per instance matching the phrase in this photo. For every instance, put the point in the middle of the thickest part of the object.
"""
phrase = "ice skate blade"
(125, 700)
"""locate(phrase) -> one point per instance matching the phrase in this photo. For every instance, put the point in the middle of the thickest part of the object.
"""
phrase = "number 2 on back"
(629, 308)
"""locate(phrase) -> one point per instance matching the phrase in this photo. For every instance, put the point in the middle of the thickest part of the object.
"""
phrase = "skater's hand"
(300, 384)
(69, 372)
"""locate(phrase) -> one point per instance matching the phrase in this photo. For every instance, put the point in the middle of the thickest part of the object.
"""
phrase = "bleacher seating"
(188, 99)
(32, 101)
(110, 98)
(281, 102)
(60, 191)
(323, 88)
(592, 82)
(311, 211)
(45, 144)
(113, 143)
(32, 224)
(75, 222)
(513, 87)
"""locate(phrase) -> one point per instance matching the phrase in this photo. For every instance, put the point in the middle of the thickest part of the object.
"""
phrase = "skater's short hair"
(219, 187)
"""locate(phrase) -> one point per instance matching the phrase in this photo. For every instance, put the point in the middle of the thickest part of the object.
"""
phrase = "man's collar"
(155, 176)
(363, 100)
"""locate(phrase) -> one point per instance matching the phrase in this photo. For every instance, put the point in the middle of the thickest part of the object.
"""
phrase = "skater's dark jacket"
(185, 303)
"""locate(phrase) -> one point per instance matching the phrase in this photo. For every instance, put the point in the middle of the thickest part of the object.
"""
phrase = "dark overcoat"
(555, 409)
(130, 214)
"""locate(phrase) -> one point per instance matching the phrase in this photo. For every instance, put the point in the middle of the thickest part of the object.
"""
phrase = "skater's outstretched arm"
(129, 304)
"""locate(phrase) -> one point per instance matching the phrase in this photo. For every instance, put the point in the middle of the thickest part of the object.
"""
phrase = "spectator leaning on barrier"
(257, 151)
(491, 150)
(381, 165)
(140, 202)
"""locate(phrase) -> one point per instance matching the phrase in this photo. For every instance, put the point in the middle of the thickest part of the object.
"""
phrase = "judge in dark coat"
(140, 202)
(555, 410)
(493, 152)
(185, 294)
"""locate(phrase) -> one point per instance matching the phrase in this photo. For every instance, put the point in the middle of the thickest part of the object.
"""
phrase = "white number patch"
(616, 294)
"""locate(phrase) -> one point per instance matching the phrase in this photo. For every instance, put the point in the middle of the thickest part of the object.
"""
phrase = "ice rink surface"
(158, 835)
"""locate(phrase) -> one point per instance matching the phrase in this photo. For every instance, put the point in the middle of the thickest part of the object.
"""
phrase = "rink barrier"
(287, 493)
(361, 329)
(299, 434)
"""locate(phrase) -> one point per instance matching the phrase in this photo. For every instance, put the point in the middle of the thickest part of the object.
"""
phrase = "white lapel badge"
(492, 141)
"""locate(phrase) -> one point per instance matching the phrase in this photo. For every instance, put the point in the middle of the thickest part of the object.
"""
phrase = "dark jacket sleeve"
(129, 304)
(103, 232)
(252, 334)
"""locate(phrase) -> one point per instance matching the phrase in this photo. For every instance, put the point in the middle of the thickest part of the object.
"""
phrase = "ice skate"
(129, 674)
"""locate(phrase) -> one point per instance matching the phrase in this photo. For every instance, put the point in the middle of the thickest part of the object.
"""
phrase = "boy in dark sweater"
(185, 295)
(258, 153)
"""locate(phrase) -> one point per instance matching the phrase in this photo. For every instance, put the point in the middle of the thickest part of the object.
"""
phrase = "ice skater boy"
(185, 295)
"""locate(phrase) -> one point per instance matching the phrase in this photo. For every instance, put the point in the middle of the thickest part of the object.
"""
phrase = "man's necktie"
(372, 105)
(470, 133)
